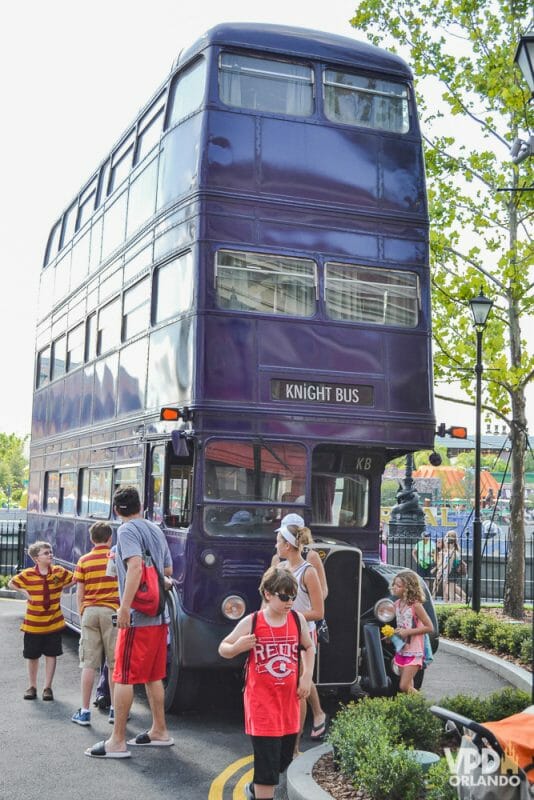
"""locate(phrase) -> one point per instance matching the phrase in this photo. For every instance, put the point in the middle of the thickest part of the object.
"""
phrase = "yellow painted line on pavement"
(239, 790)
(217, 787)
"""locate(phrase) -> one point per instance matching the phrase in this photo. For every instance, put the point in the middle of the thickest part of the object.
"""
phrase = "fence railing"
(12, 533)
(459, 587)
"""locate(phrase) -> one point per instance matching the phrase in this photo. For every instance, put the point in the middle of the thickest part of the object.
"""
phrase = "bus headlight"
(233, 607)
(384, 610)
(208, 558)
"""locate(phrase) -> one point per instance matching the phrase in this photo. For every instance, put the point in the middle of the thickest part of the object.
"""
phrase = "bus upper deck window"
(376, 296)
(266, 284)
(187, 92)
(265, 84)
(367, 102)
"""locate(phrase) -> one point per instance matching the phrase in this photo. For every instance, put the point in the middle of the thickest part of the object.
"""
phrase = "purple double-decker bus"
(235, 317)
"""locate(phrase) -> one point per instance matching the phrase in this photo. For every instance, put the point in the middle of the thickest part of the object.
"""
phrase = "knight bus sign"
(314, 392)
(252, 256)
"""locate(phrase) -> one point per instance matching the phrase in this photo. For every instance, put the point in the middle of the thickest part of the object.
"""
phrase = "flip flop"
(318, 731)
(98, 750)
(144, 740)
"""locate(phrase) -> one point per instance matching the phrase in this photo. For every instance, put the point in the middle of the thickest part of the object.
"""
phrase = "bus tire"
(181, 685)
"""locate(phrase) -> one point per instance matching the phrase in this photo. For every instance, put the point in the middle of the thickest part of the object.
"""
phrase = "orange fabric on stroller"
(515, 734)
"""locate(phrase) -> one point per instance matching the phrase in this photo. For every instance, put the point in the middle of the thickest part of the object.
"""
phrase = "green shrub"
(387, 774)
(417, 726)
(472, 707)
(517, 634)
(468, 625)
(500, 704)
(354, 727)
(525, 656)
(484, 630)
(438, 786)
(451, 626)
(500, 637)
(4, 580)
(506, 702)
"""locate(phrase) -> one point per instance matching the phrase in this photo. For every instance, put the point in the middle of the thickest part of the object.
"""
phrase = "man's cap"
(426, 533)
(291, 519)
(240, 518)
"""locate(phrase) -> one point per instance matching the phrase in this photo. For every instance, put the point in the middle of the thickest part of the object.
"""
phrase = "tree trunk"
(514, 587)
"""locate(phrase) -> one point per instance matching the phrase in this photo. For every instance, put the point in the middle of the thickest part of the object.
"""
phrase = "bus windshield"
(245, 483)
(340, 494)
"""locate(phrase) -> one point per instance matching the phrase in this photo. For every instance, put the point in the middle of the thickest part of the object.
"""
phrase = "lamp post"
(480, 308)
(524, 58)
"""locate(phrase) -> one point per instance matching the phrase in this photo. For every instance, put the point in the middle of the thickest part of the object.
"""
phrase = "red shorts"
(141, 654)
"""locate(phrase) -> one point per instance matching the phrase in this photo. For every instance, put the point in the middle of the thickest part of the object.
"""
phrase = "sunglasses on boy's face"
(285, 597)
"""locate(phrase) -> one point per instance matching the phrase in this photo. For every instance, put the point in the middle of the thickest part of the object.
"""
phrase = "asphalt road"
(42, 752)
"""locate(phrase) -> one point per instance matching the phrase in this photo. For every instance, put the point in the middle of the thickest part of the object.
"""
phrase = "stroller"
(495, 760)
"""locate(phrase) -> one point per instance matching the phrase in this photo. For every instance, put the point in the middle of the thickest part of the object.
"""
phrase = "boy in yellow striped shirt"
(43, 621)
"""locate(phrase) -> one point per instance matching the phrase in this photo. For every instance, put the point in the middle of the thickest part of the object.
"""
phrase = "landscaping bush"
(4, 580)
(387, 774)
(506, 702)
(417, 726)
(500, 637)
(500, 704)
(468, 625)
(438, 786)
(451, 626)
(517, 634)
(526, 651)
(484, 630)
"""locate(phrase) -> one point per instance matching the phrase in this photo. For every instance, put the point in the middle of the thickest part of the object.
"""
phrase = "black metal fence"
(12, 534)
(459, 588)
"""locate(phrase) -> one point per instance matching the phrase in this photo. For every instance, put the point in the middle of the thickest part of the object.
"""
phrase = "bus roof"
(303, 42)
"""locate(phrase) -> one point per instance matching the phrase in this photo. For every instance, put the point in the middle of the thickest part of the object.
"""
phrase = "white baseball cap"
(291, 519)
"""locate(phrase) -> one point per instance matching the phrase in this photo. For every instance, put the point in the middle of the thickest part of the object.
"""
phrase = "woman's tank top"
(302, 601)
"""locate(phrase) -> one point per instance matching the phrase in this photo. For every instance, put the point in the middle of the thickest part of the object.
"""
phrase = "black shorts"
(42, 644)
(272, 756)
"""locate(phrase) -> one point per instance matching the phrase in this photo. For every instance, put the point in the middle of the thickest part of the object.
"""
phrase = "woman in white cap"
(290, 540)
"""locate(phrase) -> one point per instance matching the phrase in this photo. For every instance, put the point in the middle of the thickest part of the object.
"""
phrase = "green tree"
(13, 462)
(473, 104)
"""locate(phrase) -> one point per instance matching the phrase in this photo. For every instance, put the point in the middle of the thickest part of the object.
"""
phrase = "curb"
(300, 783)
(12, 594)
(517, 676)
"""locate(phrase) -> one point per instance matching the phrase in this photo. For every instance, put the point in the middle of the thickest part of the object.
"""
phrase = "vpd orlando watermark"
(484, 767)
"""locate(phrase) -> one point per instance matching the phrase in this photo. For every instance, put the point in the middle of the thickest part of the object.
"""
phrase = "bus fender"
(375, 668)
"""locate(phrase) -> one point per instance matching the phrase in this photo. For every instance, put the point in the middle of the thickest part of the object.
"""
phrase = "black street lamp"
(524, 58)
(480, 308)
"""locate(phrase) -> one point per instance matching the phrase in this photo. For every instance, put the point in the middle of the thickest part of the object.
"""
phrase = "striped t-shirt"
(38, 619)
(100, 589)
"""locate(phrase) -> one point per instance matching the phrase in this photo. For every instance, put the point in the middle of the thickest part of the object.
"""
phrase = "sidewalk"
(480, 673)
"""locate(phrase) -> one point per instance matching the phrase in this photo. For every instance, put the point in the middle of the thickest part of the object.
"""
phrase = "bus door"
(169, 496)
(337, 660)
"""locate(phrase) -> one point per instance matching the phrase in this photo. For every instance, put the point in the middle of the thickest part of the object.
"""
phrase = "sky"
(74, 75)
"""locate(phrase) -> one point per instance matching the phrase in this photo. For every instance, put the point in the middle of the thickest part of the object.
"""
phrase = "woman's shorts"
(42, 644)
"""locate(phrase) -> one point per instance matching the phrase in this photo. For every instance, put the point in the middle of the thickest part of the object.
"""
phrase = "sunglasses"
(285, 597)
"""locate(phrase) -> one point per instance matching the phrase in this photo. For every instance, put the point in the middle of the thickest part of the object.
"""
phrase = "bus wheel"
(181, 685)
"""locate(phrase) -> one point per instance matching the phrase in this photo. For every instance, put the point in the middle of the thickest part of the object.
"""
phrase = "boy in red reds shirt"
(43, 622)
(97, 595)
(273, 637)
